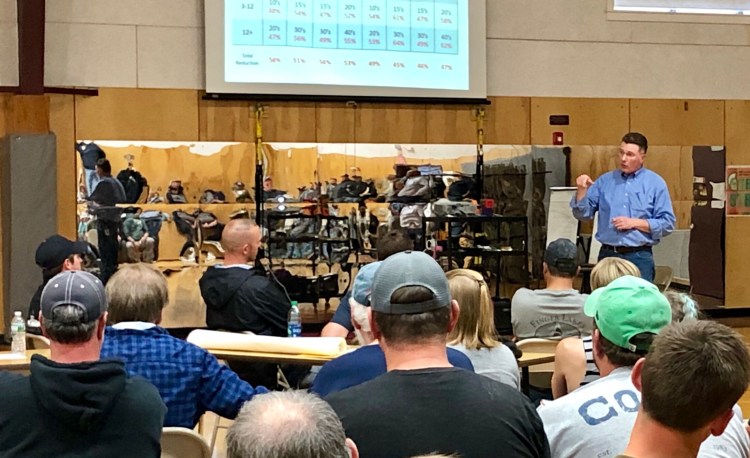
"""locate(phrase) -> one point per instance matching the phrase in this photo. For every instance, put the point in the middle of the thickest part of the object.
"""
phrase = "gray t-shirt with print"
(597, 419)
(547, 313)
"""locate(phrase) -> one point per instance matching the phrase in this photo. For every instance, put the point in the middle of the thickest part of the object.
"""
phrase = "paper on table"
(10, 356)
(219, 340)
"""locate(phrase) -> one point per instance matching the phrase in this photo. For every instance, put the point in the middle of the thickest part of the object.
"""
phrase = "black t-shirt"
(445, 410)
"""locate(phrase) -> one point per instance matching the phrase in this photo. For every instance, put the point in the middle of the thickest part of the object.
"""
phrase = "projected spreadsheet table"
(429, 26)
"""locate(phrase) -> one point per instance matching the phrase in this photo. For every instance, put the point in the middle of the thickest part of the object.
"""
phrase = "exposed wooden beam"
(31, 15)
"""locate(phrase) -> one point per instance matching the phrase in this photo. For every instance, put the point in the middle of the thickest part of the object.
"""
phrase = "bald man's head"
(240, 239)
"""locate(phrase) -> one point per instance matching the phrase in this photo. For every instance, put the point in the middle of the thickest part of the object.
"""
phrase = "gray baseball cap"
(409, 268)
(78, 288)
(562, 254)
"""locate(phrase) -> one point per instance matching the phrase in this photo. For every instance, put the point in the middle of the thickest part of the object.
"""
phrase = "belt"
(626, 249)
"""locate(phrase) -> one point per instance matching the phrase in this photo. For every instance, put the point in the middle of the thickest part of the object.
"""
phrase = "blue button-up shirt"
(642, 195)
(189, 379)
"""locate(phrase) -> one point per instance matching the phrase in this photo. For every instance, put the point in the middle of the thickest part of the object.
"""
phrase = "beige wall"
(543, 48)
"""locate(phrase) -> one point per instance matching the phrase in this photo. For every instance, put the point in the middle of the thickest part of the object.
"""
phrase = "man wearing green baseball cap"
(596, 419)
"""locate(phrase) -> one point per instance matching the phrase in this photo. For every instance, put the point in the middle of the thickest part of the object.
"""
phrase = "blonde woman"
(474, 334)
(574, 359)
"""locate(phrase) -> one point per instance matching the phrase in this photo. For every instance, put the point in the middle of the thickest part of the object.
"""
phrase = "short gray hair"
(288, 424)
(66, 325)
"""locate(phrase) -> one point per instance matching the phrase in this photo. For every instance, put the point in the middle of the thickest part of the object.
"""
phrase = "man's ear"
(100, 325)
(635, 375)
(353, 452)
(719, 424)
(373, 325)
(596, 344)
(41, 324)
(455, 312)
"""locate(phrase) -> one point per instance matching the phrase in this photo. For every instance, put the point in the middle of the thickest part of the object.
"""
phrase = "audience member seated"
(392, 242)
(596, 419)
(368, 361)
(189, 379)
(693, 375)
(557, 310)
(54, 255)
(475, 334)
(240, 297)
(424, 404)
(75, 404)
(574, 360)
(289, 424)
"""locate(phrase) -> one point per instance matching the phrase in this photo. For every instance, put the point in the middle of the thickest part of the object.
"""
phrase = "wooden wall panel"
(592, 121)
(292, 168)
(737, 252)
(678, 122)
(508, 121)
(138, 114)
(334, 123)
(25, 114)
(737, 139)
(62, 124)
(226, 121)
(198, 172)
(288, 122)
(451, 124)
(390, 123)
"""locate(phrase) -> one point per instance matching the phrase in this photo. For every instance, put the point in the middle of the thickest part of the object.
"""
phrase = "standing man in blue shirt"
(635, 210)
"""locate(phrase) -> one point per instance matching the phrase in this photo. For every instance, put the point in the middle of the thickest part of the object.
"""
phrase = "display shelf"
(503, 239)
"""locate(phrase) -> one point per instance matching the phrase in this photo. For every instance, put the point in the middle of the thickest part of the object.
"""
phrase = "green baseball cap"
(627, 307)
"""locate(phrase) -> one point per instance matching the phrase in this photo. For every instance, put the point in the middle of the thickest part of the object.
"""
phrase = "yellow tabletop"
(14, 362)
(532, 359)
(278, 358)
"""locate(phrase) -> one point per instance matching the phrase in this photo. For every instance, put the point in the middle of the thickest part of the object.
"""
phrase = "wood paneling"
(216, 170)
(737, 139)
(508, 121)
(27, 114)
(678, 122)
(62, 124)
(592, 121)
(334, 123)
(737, 252)
(390, 124)
(451, 124)
(138, 114)
(288, 122)
(226, 121)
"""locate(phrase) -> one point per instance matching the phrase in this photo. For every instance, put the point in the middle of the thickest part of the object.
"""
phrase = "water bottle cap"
(294, 303)
(17, 313)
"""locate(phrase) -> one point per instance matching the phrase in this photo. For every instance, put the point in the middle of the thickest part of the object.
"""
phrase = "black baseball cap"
(55, 250)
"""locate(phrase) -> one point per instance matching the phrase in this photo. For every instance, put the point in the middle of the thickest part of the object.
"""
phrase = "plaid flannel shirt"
(190, 380)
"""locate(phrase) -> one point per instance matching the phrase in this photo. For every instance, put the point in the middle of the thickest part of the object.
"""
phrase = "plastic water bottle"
(18, 332)
(294, 328)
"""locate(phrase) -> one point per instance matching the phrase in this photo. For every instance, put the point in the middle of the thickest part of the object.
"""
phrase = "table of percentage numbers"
(425, 26)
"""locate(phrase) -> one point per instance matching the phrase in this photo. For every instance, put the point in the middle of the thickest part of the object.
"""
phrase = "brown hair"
(610, 269)
(392, 242)
(413, 328)
(476, 322)
(695, 372)
(136, 292)
(636, 138)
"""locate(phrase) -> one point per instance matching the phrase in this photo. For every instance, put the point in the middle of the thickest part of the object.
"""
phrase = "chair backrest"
(663, 277)
(540, 375)
(36, 342)
(179, 442)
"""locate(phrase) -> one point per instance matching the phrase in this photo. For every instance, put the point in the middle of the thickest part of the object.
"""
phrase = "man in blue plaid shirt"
(190, 380)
